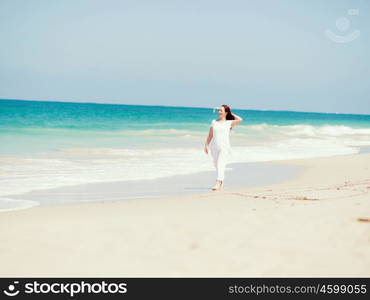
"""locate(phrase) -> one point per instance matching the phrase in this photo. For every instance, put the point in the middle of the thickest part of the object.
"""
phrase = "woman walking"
(218, 142)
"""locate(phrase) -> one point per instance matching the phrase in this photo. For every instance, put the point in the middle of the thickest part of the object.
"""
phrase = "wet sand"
(315, 224)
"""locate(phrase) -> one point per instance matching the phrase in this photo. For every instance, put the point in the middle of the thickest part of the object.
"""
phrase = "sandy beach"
(314, 225)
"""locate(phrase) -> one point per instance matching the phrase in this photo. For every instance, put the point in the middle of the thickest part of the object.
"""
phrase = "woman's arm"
(208, 140)
(236, 121)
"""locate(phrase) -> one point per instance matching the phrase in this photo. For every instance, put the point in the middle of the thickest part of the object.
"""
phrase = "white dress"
(220, 146)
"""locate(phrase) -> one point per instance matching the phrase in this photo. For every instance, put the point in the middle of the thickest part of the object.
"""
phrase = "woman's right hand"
(206, 149)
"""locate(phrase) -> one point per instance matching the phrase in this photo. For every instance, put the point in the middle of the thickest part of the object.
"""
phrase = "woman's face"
(221, 112)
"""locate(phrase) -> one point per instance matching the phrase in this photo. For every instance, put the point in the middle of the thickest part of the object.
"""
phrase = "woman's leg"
(221, 164)
(214, 153)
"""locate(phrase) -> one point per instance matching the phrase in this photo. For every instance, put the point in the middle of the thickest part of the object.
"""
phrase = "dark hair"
(229, 115)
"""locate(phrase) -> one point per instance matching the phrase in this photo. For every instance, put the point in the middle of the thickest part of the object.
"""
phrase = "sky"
(249, 54)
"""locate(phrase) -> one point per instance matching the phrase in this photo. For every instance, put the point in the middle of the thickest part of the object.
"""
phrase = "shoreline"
(306, 226)
(238, 175)
(364, 149)
(165, 187)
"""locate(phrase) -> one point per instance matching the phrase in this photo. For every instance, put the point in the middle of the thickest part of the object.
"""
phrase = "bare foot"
(218, 186)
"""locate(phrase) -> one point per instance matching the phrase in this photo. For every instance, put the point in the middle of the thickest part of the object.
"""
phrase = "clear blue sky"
(253, 54)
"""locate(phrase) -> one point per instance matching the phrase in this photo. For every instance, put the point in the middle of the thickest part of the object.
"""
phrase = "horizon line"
(161, 105)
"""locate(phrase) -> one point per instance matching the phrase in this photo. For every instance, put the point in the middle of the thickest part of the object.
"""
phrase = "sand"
(307, 226)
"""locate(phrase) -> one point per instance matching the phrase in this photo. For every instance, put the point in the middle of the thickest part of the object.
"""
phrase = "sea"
(46, 144)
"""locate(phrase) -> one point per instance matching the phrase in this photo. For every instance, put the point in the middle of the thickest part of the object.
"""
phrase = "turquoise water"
(18, 114)
(37, 126)
(52, 144)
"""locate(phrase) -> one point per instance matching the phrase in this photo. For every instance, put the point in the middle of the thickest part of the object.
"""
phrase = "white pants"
(220, 156)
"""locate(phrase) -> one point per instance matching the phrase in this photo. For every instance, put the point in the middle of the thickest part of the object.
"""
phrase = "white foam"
(7, 204)
(250, 143)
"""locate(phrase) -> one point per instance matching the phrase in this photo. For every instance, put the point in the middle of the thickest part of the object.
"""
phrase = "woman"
(218, 140)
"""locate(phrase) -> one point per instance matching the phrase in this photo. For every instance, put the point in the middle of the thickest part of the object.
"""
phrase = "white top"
(221, 133)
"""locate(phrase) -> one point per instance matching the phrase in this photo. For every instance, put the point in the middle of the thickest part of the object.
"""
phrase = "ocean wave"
(201, 129)
(303, 129)
(326, 130)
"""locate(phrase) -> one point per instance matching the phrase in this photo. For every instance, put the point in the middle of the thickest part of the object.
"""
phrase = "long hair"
(229, 115)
